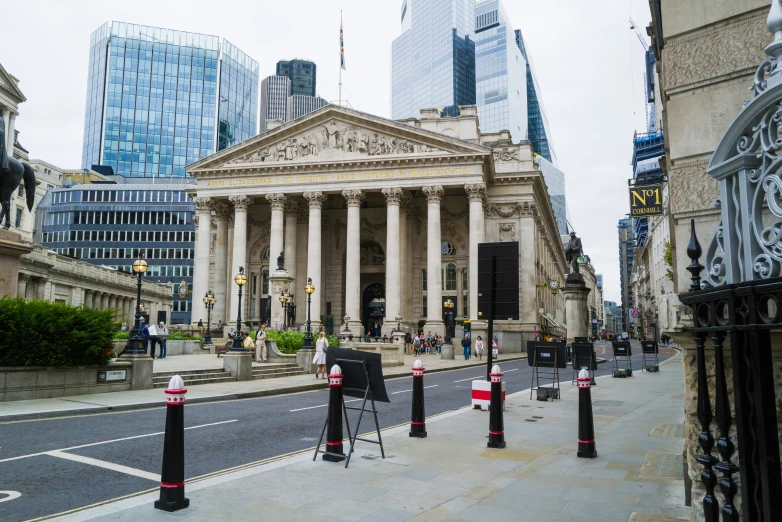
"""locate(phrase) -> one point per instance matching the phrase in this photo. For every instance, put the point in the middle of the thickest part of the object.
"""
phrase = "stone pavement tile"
(446, 492)
(386, 514)
(271, 512)
(415, 504)
(458, 504)
(530, 489)
(338, 507)
(405, 485)
(587, 494)
(513, 502)
(625, 465)
(605, 511)
(558, 479)
(424, 475)
(597, 473)
(481, 513)
(645, 517)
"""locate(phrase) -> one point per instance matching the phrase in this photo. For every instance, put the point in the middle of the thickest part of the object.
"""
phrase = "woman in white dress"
(479, 347)
(320, 354)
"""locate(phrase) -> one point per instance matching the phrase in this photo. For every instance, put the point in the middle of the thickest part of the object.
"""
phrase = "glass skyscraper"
(152, 96)
(537, 124)
(433, 60)
(500, 73)
(303, 75)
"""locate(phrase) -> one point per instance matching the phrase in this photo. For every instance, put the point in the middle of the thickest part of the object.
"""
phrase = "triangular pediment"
(336, 134)
(10, 85)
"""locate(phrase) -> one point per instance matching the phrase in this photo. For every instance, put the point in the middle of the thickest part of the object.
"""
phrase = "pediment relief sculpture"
(506, 154)
(335, 138)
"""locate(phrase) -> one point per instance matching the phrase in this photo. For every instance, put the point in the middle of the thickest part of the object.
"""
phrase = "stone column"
(393, 272)
(476, 192)
(405, 264)
(434, 246)
(221, 283)
(10, 135)
(353, 260)
(291, 219)
(314, 253)
(202, 246)
(241, 203)
(40, 288)
(276, 240)
(87, 301)
(113, 305)
(21, 286)
(104, 302)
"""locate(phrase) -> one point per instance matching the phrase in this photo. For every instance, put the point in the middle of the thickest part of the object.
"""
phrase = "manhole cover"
(668, 430)
(608, 403)
(663, 465)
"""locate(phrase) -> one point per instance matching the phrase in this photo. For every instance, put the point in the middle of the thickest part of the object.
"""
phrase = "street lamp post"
(309, 289)
(448, 304)
(135, 344)
(209, 302)
(346, 332)
(240, 280)
(285, 299)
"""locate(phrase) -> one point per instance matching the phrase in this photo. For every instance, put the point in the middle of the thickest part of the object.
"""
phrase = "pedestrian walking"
(466, 347)
(260, 344)
(377, 329)
(479, 347)
(162, 334)
(321, 346)
(408, 342)
(145, 336)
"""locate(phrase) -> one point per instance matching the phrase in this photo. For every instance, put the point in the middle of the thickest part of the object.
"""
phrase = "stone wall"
(37, 382)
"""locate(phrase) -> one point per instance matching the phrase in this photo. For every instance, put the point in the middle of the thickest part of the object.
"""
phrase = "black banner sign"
(646, 200)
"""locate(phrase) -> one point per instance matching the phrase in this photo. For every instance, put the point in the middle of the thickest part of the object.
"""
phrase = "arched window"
(265, 255)
(448, 249)
(449, 276)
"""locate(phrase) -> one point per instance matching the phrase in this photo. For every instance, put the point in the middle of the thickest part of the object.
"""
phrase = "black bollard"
(586, 425)
(418, 417)
(334, 429)
(172, 478)
(496, 426)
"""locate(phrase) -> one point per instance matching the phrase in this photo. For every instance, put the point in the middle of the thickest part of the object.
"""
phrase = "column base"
(239, 365)
(304, 360)
(141, 371)
(435, 326)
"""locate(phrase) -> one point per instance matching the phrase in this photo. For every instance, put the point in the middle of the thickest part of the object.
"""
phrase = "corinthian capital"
(240, 202)
(315, 198)
(203, 204)
(434, 193)
(353, 197)
(475, 191)
(393, 195)
(277, 201)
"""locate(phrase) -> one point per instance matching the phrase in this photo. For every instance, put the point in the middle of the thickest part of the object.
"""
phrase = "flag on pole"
(341, 46)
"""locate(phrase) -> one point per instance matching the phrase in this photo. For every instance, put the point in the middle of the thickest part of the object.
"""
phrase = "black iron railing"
(744, 314)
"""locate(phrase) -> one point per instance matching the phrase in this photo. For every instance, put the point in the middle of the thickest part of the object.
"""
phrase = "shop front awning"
(550, 319)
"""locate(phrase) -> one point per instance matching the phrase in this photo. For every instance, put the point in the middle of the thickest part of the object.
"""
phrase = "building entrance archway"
(373, 308)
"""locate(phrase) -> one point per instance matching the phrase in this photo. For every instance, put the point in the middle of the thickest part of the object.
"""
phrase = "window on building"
(21, 190)
(18, 221)
(449, 277)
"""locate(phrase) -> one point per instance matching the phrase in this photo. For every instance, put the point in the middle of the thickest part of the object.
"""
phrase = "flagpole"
(340, 58)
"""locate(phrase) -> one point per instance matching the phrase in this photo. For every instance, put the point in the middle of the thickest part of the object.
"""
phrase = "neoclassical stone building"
(384, 216)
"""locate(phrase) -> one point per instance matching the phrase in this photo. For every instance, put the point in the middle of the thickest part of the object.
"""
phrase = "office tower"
(537, 123)
(555, 183)
(302, 75)
(500, 73)
(110, 223)
(152, 97)
(433, 60)
(275, 91)
(626, 259)
(299, 105)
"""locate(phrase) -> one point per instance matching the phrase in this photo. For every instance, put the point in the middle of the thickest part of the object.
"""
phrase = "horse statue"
(12, 172)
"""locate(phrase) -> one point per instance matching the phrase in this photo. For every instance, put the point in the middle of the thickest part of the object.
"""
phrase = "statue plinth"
(11, 249)
(576, 310)
(280, 281)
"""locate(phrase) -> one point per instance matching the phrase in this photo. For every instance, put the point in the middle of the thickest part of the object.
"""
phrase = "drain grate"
(668, 430)
(530, 420)
(536, 417)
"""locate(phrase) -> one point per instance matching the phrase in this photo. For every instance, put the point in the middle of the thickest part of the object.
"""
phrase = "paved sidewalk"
(451, 475)
(127, 400)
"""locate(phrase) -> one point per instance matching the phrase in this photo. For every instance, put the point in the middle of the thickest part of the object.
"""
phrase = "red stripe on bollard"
(171, 484)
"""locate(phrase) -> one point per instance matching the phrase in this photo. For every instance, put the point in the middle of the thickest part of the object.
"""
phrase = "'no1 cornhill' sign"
(646, 200)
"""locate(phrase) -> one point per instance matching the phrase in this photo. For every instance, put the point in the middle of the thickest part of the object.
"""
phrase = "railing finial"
(694, 252)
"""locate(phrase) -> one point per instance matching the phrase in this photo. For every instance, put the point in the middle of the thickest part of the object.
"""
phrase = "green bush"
(121, 335)
(39, 333)
(289, 341)
(183, 336)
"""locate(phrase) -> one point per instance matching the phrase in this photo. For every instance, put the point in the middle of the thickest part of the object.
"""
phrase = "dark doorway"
(373, 308)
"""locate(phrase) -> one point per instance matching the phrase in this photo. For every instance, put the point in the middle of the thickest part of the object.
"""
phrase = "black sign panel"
(584, 356)
(353, 373)
(506, 280)
(622, 349)
(545, 354)
(646, 200)
(649, 347)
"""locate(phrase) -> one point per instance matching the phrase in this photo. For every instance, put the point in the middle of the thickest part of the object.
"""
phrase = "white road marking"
(106, 465)
(11, 495)
(508, 371)
(405, 391)
(115, 440)
(469, 379)
(313, 407)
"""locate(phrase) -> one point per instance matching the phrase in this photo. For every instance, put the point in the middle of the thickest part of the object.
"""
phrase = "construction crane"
(648, 108)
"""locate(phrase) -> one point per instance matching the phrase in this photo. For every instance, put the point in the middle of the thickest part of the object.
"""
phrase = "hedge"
(39, 333)
(172, 336)
(289, 341)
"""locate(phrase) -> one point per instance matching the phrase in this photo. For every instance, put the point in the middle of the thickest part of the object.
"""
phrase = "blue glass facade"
(537, 124)
(500, 73)
(110, 225)
(152, 99)
(433, 61)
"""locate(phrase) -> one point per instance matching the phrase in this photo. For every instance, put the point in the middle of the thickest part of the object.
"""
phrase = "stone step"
(170, 374)
(291, 373)
(194, 382)
(276, 368)
(187, 377)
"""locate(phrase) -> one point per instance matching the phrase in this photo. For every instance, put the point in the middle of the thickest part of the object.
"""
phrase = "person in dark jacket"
(145, 335)
(466, 346)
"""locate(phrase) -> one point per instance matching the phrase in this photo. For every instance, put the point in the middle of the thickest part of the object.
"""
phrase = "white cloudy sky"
(588, 62)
